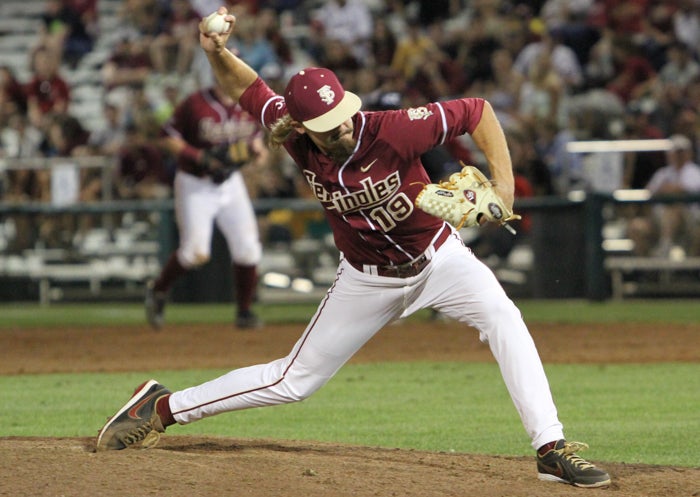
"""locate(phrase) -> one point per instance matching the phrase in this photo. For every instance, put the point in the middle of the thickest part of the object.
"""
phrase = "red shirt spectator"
(12, 96)
(47, 91)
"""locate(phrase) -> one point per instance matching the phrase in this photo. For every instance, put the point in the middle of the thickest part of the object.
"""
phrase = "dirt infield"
(205, 466)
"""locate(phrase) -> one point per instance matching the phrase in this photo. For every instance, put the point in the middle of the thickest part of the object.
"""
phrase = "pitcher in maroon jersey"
(365, 169)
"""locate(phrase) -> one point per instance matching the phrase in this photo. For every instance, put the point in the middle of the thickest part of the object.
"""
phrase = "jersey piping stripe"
(443, 120)
(291, 363)
(345, 164)
(215, 105)
(342, 183)
(262, 113)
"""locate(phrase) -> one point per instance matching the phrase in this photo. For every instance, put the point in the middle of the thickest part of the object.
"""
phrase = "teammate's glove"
(465, 199)
(221, 161)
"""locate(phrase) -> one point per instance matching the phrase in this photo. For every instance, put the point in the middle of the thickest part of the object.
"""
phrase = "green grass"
(555, 311)
(627, 413)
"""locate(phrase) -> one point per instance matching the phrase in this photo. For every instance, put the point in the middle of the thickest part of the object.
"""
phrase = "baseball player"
(212, 137)
(364, 168)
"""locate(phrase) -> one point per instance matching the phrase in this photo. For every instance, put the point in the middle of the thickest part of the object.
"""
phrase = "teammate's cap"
(680, 142)
(316, 99)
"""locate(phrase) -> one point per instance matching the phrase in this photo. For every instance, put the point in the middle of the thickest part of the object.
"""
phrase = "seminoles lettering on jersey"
(369, 200)
(203, 120)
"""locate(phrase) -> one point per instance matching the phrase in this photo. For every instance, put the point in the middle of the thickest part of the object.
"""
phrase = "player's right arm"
(234, 75)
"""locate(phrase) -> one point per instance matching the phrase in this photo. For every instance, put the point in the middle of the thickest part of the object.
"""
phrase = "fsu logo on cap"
(327, 94)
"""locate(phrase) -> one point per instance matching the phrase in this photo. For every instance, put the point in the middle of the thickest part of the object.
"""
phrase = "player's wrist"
(191, 154)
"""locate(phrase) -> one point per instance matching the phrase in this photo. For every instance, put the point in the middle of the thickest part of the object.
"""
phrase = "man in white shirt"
(671, 223)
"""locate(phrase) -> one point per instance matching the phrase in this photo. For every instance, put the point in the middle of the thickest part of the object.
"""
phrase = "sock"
(546, 448)
(246, 280)
(163, 411)
(171, 271)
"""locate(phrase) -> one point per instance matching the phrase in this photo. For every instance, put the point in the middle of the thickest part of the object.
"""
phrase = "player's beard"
(340, 152)
(341, 148)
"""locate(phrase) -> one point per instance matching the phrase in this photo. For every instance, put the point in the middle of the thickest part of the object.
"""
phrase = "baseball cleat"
(248, 320)
(136, 422)
(561, 464)
(155, 306)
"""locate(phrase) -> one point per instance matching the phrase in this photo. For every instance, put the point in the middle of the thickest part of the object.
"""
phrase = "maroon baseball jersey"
(49, 92)
(369, 200)
(203, 121)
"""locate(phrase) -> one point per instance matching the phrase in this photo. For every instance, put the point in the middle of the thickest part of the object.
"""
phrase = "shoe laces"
(138, 433)
(569, 453)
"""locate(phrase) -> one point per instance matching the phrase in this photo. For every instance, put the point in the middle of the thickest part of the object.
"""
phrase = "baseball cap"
(315, 98)
(680, 142)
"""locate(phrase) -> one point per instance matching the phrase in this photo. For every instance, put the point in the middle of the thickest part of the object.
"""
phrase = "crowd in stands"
(555, 71)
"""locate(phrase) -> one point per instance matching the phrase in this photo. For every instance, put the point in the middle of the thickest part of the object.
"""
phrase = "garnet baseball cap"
(315, 98)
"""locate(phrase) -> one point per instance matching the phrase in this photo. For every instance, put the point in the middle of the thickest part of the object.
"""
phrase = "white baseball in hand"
(215, 23)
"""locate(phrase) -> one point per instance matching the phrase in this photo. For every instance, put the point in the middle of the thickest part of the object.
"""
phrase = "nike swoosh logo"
(555, 470)
(364, 169)
(134, 411)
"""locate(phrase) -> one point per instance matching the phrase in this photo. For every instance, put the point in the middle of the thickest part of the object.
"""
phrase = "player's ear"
(298, 127)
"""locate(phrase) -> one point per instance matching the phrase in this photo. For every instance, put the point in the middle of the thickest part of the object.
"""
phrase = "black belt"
(408, 269)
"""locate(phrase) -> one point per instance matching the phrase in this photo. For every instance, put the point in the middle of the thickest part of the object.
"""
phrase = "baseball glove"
(465, 199)
(221, 161)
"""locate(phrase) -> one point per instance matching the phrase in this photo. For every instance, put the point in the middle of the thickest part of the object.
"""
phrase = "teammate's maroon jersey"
(203, 120)
(369, 200)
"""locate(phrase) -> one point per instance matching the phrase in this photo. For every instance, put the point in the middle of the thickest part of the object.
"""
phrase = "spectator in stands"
(129, 65)
(269, 24)
(47, 91)
(13, 99)
(142, 20)
(19, 139)
(64, 137)
(476, 46)
(418, 61)
(657, 33)
(253, 46)
(686, 24)
(142, 171)
(64, 32)
(501, 87)
(681, 67)
(633, 73)
(563, 59)
(339, 58)
(383, 43)
(88, 13)
(640, 166)
(543, 95)
(563, 171)
(170, 97)
(674, 224)
(64, 134)
(625, 17)
(348, 21)
(674, 78)
(172, 50)
(108, 139)
(570, 19)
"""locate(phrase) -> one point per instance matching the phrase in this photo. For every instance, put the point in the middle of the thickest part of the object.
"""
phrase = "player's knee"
(298, 388)
(193, 259)
(250, 257)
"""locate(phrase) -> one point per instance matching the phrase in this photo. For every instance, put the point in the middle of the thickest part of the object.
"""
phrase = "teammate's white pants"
(199, 203)
(358, 305)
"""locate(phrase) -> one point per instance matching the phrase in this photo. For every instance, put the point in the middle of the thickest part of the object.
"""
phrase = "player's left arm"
(488, 135)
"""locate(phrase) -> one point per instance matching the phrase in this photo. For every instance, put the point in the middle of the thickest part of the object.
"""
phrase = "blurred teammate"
(212, 137)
